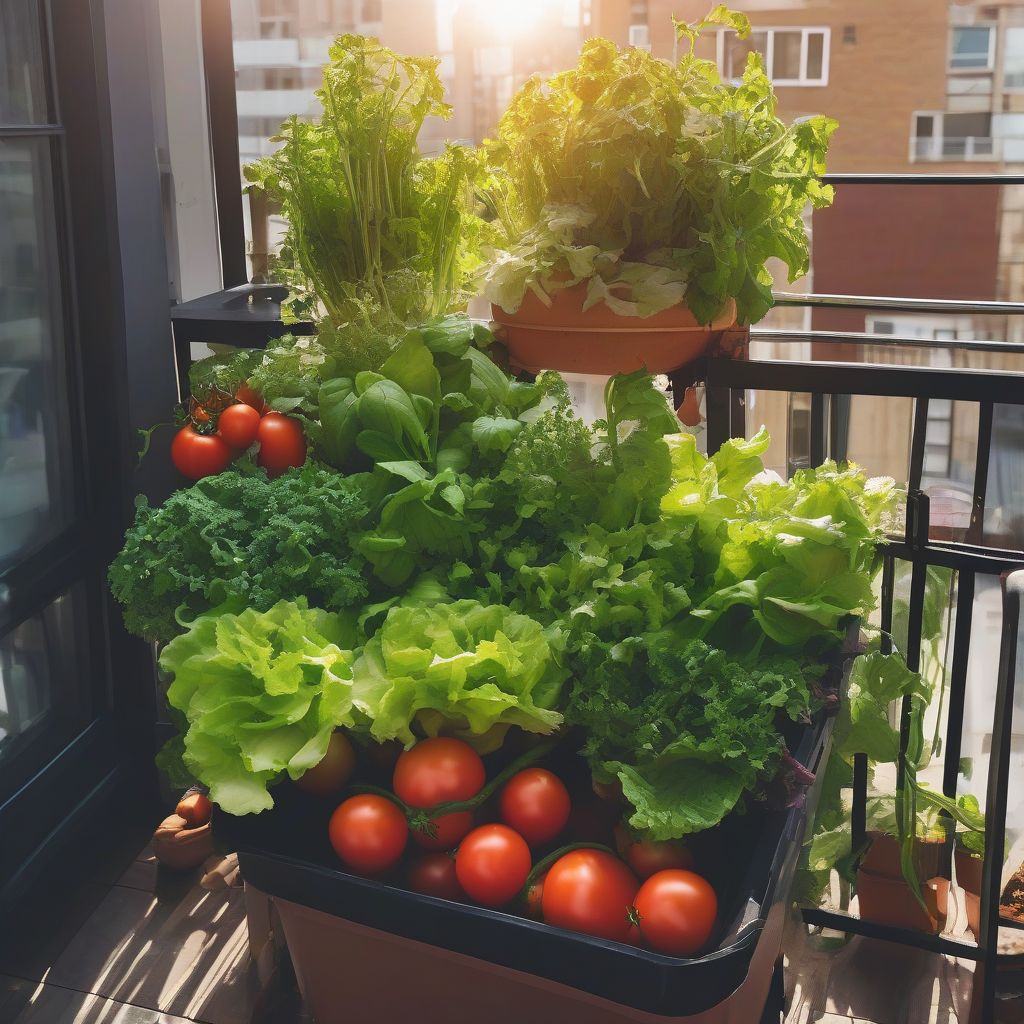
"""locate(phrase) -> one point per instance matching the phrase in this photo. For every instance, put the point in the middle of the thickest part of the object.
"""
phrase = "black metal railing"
(830, 385)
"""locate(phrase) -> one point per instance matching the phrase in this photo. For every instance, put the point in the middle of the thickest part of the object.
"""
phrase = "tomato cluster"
(648, 894)
(240, 422)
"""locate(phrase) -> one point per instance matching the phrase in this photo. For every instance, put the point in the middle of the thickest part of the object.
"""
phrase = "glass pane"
(1013, 59)
(970, 48)
(34, 499)
(22, 64)
(786, 56)
(815, 56)
(737, 50)
(40, 679)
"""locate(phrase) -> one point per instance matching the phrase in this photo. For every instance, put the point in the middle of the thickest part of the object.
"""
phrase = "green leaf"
(262, 692)
(469, 669)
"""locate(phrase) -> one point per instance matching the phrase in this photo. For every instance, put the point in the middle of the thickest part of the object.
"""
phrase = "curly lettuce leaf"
(261, 692)
(464, 668)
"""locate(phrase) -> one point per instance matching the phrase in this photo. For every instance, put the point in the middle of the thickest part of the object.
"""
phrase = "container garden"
(883, 894)
(564, 336)
(349, 937)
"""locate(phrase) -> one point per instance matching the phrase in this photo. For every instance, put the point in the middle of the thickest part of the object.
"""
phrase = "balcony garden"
(539, 708)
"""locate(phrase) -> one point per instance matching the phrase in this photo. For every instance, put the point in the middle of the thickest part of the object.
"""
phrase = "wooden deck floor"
(131, 944)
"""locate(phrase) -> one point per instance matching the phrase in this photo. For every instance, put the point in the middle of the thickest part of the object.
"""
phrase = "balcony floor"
(121, 941)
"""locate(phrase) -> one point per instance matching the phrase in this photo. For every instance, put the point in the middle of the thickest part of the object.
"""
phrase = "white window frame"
(990, 64)
(938, 137)
(769, 56)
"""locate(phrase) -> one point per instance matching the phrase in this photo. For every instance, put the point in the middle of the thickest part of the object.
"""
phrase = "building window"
(972, 48)
(792, 56)
(1013, 58)
(640, 37)
(952, 137)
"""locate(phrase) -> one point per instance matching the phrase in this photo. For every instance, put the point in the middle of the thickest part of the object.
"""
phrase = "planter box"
(356, 942)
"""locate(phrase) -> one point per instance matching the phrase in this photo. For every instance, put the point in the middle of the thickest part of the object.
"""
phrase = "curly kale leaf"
(683, 727)
(240, 536)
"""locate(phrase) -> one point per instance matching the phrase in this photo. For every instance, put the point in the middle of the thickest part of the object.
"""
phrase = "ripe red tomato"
(333, 771)
(434, 772)
(590, 891)
(368, 833)
(250, 396)
(282, 443)
(195, 808)
(536, 804)
(648, 856)
(198, 455)
(433, 874)
(492, 864)
(676, 911)
(238, 425)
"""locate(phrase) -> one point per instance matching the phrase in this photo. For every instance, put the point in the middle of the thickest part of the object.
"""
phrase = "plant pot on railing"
(883, 894)
(564, 337)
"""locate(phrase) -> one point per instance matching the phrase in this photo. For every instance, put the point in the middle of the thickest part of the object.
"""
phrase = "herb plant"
(654, 183)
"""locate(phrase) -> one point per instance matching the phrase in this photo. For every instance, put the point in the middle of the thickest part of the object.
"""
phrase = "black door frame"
(120, 378)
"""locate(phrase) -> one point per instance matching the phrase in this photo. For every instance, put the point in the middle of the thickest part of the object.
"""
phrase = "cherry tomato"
(434, 772)
(282, 443)
(238, 425)
(536, 804)
(433, 874)
(676, 912)
(198, 455)
(648, 856)
(590, 891)
(195, 808)
(251, 397)
(492, 864)
(368, 833)
(333, 771)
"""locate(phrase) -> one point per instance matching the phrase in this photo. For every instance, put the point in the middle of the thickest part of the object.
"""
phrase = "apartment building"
(281, 46)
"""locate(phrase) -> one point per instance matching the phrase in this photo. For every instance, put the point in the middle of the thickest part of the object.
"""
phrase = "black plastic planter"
(284, 853)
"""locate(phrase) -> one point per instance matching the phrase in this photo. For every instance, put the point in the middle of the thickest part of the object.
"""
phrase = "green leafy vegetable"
(262, 693)
(685, 729)
(374, 228)
(464, 668)
(653, 182)
(241, 538)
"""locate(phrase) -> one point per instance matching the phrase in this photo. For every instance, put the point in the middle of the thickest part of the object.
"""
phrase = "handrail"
(977, 307)
(928, 178)
(780, 337)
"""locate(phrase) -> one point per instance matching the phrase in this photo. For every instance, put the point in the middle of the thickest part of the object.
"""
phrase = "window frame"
(939, 136)
(769, 31)
(993, 32)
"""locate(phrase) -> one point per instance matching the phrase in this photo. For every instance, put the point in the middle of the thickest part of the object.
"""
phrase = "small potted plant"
(636, 203)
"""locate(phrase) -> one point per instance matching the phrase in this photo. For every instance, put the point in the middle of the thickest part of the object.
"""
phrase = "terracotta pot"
(883, 856)
(180, 847)
(884, 896)
(564, 337)
(968, 876)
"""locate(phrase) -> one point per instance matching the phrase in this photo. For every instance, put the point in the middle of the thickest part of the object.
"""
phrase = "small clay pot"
(564, 336)
(177, 846)
(884, 896)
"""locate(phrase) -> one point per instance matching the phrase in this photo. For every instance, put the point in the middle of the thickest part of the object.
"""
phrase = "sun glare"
(515, 17)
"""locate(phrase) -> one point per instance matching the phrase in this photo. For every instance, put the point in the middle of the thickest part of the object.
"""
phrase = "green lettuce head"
(462, 668)
(262, 692)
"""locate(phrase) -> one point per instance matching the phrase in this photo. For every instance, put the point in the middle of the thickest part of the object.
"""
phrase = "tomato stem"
(534, 754)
